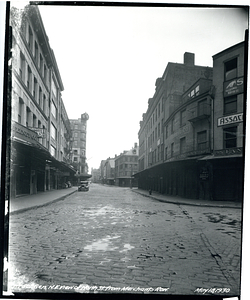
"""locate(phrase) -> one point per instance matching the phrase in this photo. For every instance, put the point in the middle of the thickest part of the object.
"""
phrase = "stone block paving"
(113, 240)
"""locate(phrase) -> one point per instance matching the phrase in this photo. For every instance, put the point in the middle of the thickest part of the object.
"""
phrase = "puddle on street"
(102, 244)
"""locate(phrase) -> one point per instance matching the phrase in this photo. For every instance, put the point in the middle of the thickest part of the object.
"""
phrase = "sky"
(110, 57)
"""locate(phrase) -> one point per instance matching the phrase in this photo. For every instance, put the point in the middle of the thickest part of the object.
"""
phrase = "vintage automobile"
(84, 186)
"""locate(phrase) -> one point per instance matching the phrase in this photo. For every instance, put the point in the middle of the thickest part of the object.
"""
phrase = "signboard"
(230, 119)
(41, 132)
(23, 133)
(229, 151)
(233, 87)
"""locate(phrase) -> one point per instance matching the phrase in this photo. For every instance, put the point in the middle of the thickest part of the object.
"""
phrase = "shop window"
(202, 140)
(231, 69)
(230, 137)
(230, 104)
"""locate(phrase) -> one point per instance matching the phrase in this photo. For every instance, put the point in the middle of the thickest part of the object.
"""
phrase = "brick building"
(126, 165)
(191, 141)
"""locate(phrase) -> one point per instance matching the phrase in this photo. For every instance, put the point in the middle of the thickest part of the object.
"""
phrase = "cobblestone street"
(112, 239)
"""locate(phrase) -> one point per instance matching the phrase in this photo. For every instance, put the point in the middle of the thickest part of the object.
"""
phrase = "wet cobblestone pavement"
(113, 240)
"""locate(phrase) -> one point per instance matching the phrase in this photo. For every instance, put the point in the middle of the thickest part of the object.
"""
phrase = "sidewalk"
(26, 202)
(194, 202)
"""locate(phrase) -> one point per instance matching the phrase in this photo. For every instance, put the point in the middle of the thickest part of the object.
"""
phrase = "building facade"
(186, 127)
(40, 149)
(79, 133)
(126, 165)
(109, 171)
(227, 161)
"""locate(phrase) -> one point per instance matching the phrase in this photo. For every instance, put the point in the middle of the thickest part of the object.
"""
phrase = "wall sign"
(233, 87)
(230, 119)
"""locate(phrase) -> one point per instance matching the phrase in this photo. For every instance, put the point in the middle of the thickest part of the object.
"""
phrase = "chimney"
(189, 59)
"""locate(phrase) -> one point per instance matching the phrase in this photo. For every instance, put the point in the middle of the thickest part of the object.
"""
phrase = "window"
(22, 66)
(53, 131)
(41, 63)
(36, 52)
(40, 97)
(75, 159)
(231, 69)
(172, 149)
(35, 87)
(230, 104)
(202, 140)
(30, 41)
(29, 79)
(183, 118)
(45, 73)
(52, 150)
(28, 116)
(182, 145)
(159, 129)
(75, 151)
(202, 107)
(172, 126)
(20, 110)
(34, 120)
(44, 103)
(230, 137)
(75, 143)
(76, 126)
(166, 153)
(53, 110)
(76, 134)
(166, 132)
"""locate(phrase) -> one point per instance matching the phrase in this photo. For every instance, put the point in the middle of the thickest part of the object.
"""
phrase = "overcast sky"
(110, 57)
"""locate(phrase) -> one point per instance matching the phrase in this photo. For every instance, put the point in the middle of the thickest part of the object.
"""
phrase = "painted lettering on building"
(230, 119)
(233, 87)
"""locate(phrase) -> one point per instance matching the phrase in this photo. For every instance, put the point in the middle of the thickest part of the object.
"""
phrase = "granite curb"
(191, 202)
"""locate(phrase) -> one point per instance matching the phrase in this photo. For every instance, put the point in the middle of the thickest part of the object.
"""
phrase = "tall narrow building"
(79, 132)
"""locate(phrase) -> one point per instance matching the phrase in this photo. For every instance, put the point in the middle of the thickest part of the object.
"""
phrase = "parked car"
(84, 186)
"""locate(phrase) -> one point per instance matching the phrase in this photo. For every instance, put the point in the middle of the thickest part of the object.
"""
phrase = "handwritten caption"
(212, 291)
(88, 288)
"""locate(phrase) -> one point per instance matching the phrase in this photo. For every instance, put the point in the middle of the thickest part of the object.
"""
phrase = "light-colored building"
(126, 165)
(40, 127)
(79, 133)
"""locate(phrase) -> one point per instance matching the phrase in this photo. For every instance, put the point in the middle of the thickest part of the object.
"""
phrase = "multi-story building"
(228, 111)
(163, 119)
(197, 152)
(126, 165)
(96, 175)
(109, 171)
(79, 132)
(40, 127)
